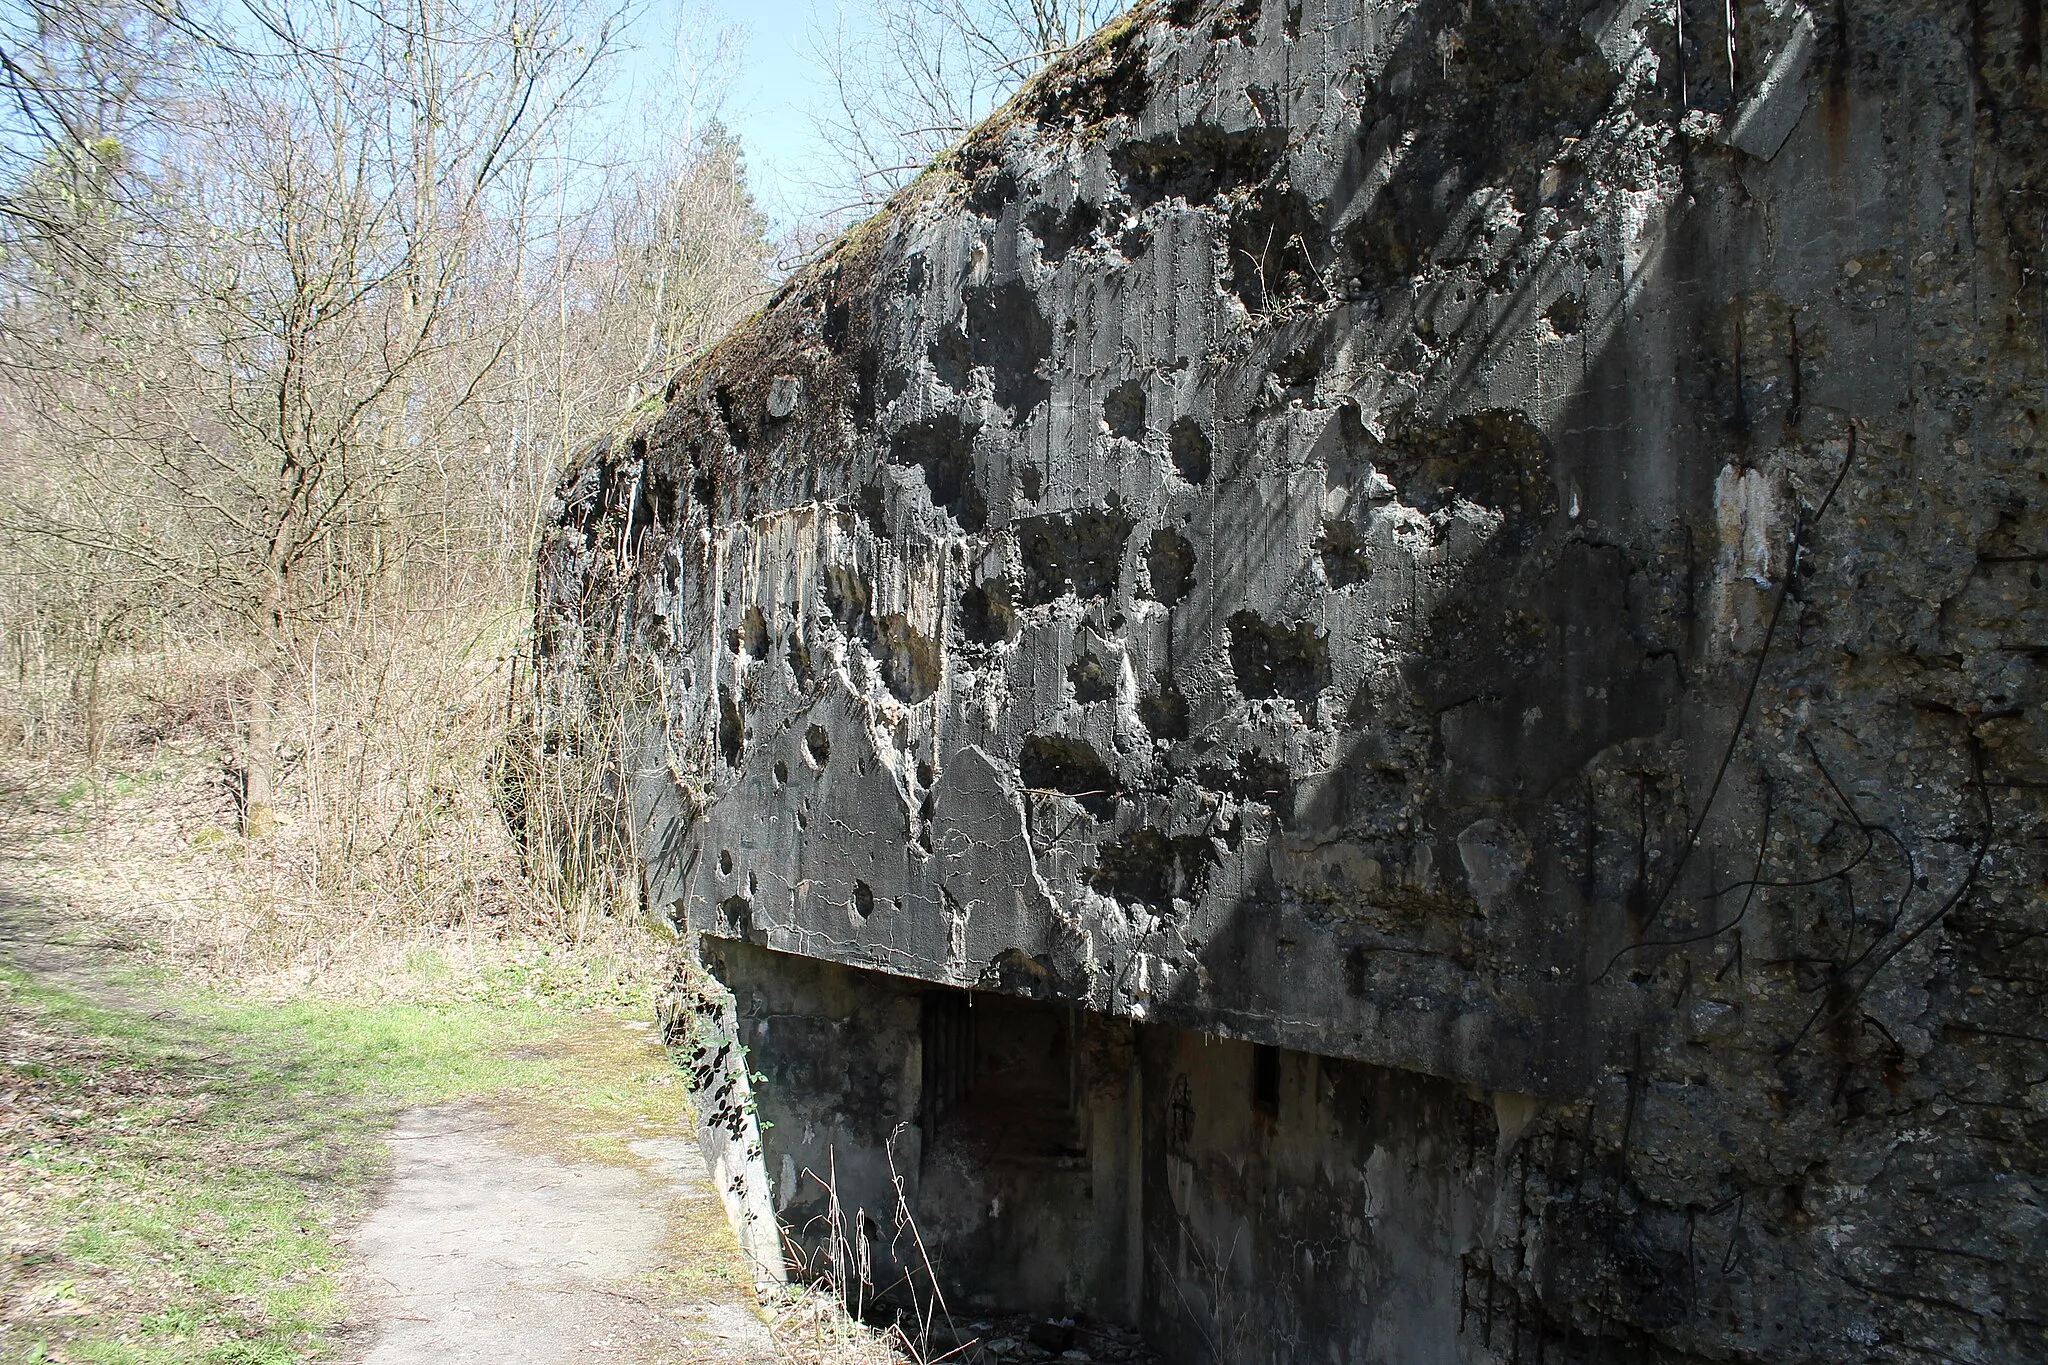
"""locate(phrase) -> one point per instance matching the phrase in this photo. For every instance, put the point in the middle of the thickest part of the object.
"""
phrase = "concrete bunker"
(1060, 1163)
(1377, 706)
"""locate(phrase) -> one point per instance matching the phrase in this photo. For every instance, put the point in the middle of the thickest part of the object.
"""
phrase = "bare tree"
(910, 77)
(294, 352)
(80, 82)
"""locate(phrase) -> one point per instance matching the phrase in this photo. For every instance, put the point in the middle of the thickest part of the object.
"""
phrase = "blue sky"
(776, 87)
(770, 93)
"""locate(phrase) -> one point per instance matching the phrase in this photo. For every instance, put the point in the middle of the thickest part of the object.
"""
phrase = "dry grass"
(401, 747)
(811, 1328)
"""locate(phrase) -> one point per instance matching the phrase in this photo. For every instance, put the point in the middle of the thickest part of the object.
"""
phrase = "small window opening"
(1266, 1080)
(948, 1055)
(999, 1076)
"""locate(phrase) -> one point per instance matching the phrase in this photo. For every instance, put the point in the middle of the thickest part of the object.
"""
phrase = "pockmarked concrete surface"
(479, 1251)
(1367, 685)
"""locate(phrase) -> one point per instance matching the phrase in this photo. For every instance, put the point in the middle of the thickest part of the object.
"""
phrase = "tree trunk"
(95, 725)
(259, 747)
(259, 738)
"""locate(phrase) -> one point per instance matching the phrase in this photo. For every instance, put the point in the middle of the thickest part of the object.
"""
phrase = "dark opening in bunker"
(1266, 1080)
(998, 1079)
(1063, 1163)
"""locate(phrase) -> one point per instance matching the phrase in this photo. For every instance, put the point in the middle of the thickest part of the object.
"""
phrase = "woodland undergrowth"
(403, 738)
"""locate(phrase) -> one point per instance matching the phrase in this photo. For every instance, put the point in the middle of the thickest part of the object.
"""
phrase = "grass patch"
(175, 1173)
(113, 784)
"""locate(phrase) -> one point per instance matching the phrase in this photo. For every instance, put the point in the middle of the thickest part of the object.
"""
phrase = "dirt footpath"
(480, 1251)
(567, 1217)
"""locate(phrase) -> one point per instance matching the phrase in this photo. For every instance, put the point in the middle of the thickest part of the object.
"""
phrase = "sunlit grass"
(187, 1166)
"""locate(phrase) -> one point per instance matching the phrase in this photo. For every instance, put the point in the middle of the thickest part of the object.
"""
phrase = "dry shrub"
(428, 841)
(387, 735)
(811, 1327)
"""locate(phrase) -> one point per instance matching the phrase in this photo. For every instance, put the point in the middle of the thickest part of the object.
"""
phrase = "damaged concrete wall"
(1224, 1194)
(1495, 541)
(1014, 1132)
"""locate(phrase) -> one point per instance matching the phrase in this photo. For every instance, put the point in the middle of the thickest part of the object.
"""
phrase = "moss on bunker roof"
(808, 327)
